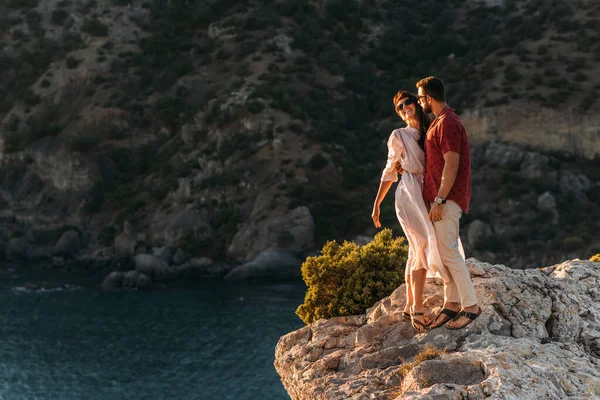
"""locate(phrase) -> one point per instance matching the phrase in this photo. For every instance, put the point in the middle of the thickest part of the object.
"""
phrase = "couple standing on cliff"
(435, 189)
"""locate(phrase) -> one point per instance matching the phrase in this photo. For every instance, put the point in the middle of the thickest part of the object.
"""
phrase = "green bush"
(572, 242)
(59, 16)
(347, 279)
(318, 161)
(107, 234)
(94, 27)
(72, 62)
(84, 144)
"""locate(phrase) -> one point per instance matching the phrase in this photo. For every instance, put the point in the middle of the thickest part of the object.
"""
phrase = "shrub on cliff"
(596, 258)
(347, 279)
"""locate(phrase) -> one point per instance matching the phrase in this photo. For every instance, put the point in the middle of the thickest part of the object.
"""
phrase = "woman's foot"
(406, 313)
(420, 322)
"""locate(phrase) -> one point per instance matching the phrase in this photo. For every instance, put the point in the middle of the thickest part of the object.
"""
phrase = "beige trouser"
(460, 288)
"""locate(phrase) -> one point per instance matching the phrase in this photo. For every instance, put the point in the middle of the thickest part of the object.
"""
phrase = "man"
(447, 187)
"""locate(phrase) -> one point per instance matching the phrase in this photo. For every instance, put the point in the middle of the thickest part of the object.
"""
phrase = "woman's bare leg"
(409, 293)
(418, 288)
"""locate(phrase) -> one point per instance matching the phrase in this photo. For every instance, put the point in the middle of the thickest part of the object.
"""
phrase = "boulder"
(361, 240)
(130, 279)
(271, 264)
(125, 243)
(137, 280)
(546, 202)
(164, 254)
(571, 183)
(293, 231)
(538, 337)
(536, 166)
(180, 257)
(203, 267)
(18, 248)
(479, 233)
(184, 225)
(113, 281)
(504, 155)
(68, 244)
(153, 267)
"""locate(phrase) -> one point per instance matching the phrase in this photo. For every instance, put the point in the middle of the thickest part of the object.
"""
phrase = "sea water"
(208, 340)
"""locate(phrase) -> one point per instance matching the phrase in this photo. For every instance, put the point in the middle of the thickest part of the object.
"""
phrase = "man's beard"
(427, 108)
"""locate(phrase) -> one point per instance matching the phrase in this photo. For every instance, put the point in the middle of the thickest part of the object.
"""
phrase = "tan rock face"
(537, 338)
(516, 125)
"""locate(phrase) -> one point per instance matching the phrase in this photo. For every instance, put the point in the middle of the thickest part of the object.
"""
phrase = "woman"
(405, 148)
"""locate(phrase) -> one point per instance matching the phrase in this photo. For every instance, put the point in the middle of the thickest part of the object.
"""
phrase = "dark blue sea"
(208, 340)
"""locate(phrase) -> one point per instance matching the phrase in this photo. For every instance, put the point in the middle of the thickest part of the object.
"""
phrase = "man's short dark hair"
(433, 87)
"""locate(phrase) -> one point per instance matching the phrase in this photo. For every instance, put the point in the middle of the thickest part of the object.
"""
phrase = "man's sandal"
(471, 316)
(416, 323)
(446, 311)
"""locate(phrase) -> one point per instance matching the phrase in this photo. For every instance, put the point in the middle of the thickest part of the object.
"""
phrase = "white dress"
(410, 206)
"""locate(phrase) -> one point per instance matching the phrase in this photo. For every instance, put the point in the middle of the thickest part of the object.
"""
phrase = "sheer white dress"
(410, 206)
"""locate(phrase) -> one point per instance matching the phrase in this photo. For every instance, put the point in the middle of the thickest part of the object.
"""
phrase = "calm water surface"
(206, 341)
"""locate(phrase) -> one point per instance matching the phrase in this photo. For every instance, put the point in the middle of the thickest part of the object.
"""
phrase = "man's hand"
(436, 212)
(375, 216)
(399, 168)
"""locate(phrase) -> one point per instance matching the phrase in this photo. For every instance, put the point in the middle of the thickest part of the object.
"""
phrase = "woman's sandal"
(406, 316)
(471, 316)
(414, 322)
(446, 311)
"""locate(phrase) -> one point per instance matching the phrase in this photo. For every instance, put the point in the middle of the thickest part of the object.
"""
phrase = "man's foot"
(420, 322)
(443, 316)
(463, 318)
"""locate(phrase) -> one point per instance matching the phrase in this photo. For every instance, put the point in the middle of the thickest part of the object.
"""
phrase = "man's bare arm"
(449, 173)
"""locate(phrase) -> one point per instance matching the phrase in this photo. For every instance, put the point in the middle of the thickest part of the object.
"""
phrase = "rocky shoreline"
(127, 266)
(537, 338)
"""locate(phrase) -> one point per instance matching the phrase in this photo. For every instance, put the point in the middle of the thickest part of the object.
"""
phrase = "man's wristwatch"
(438, 200)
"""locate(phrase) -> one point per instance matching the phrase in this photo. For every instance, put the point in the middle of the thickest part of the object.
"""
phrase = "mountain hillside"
(223, 128)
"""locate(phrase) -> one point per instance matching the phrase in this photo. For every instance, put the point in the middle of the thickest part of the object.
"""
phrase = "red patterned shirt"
(445, 134)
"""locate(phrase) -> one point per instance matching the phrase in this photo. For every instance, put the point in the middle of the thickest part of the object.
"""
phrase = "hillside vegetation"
(117, 110)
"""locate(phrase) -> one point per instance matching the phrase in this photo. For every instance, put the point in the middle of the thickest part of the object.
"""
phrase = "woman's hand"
(399, 168)
(436, 212)
(375, 216)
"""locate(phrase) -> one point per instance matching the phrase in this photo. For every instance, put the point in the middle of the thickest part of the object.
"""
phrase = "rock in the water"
(276, 264)
(137, 280)
(361, 240)
(202, 267)
(68, 244)
(149, 265)
(113, 281)
(130, 280)
(538, 337)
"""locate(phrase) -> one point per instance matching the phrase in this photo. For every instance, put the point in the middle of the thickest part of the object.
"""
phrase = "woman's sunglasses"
(408, 102)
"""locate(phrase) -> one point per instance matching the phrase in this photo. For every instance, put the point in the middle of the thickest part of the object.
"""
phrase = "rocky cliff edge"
(537, 338)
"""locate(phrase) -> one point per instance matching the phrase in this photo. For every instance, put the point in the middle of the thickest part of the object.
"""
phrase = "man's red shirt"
(445, 134)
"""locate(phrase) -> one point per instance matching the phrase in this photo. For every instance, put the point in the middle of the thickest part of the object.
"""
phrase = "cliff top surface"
(538, 337)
